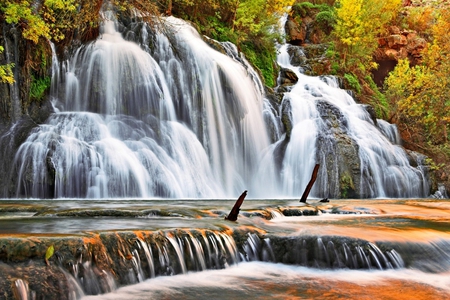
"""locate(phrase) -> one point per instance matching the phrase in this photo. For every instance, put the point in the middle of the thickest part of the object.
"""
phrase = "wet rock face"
(10, 141)
(287, 77)
(340, 153)
(310, 58)
(296, 32)
(401, 44)
(398, 44)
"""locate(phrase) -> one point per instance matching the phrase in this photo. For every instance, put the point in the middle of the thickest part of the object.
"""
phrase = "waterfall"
(159, 113)
(329, 127)
(133, 126)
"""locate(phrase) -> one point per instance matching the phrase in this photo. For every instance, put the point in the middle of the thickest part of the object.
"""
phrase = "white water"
(384, 166)
(258, 280)
(191, 123)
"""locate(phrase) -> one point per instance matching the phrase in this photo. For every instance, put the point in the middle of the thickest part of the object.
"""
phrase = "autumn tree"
(39, 20)
(359, 23)
(420, 94)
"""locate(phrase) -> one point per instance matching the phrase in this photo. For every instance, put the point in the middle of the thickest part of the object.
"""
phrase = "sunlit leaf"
(49, 252)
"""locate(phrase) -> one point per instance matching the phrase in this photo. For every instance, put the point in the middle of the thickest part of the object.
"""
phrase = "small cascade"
(22, 291)
(390, 131)
(149, 256)
(100, 263)
(322, 252)
(174, 241)
(359, 156)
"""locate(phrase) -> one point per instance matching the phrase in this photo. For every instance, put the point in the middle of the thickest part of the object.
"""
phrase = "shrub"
(353, 82)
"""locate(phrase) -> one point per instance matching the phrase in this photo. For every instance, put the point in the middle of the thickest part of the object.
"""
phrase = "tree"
(358, 25)
(419, 93)
(23, 14)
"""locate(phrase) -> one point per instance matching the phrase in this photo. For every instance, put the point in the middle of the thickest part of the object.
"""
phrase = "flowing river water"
(405, 243)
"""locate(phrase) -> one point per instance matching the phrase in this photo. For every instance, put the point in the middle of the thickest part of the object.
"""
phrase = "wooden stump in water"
(233, 215)
(310, 184)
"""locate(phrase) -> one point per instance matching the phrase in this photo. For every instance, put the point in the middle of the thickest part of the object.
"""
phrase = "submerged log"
(235, 210)
(310, 184)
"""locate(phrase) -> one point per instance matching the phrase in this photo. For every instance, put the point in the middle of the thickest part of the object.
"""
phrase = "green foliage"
(419, 96)
(326, 19)
(38, 87)
(378, 100)
(218, 30)
(432, 165)
(353, 82)
(334, 68)
(22, 12)
(49, 253)
(346, 184)
(50, 20)
(264, 61)
(302, 8)
(246, 14)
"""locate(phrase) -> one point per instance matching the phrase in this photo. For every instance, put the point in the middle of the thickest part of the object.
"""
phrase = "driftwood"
(235, 211)
(310, 184)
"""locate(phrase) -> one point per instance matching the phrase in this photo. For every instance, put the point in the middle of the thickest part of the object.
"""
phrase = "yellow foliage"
(278, 6)
(358, 24)
(420, 18)
(67, 5)
(22, 12)
(6, 73)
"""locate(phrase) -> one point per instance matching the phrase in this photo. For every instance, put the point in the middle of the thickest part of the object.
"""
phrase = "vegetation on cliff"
(6, 74)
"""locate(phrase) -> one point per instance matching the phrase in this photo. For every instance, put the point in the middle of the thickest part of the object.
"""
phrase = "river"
(407, 244)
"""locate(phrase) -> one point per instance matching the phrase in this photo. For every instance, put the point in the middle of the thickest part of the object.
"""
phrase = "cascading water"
(166, 115)
(329, 127)
(130, 126)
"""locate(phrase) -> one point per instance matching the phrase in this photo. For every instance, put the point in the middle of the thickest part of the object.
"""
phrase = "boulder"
(295, 32)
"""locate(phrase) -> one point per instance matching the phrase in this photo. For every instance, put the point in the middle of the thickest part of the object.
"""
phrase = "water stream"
(106, 249)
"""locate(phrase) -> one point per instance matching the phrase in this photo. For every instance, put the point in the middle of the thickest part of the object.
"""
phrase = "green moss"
(346, 184)
(353, 82)
(326, 20)
(263, 58)
(38, 87)
(302, 8)
(379, 101)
